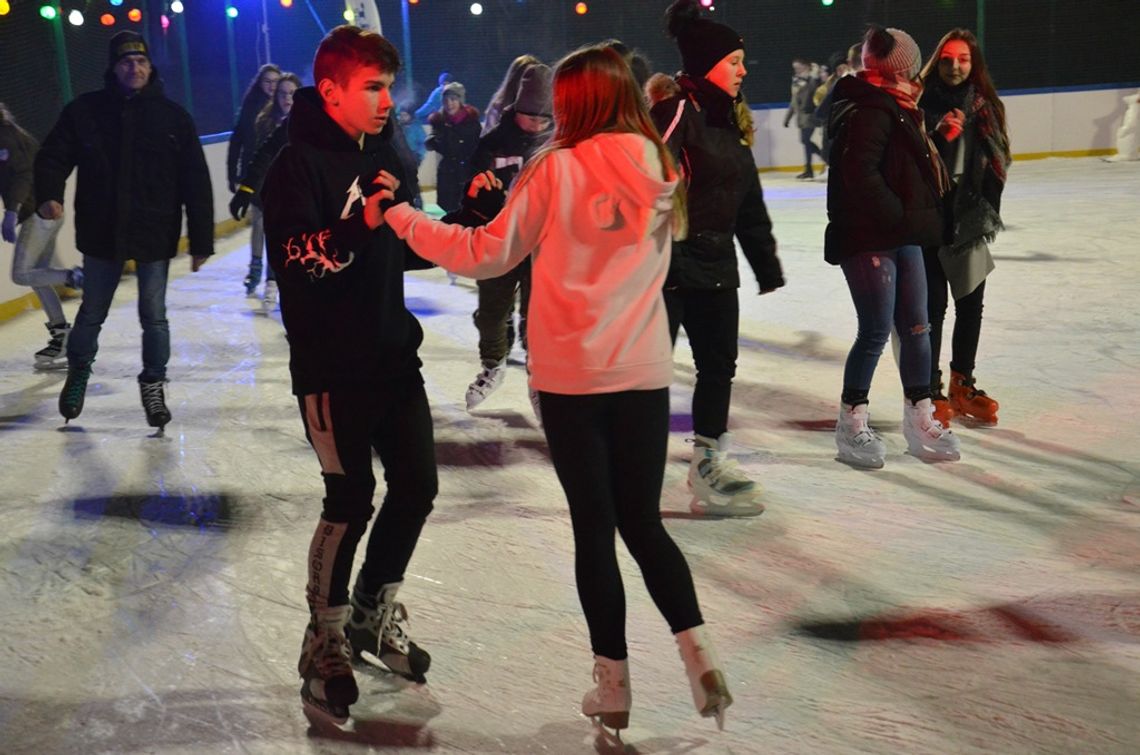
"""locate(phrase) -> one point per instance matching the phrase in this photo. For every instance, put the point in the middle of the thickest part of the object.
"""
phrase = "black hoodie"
(342, 284)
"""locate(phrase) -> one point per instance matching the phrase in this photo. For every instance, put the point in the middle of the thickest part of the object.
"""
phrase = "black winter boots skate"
(154, 403)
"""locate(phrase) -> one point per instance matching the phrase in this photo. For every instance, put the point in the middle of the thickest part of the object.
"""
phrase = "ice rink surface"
(153, 587)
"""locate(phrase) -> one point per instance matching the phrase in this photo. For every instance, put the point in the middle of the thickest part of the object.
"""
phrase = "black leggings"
(712, 322)
(609, 452)
(967, 320)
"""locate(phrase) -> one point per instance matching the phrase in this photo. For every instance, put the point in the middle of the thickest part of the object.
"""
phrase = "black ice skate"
(327, 684)
(74, 390)
(154, 404)
(379, 626)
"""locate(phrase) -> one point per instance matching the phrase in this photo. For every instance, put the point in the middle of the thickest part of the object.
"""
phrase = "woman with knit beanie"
(966, 120)
(708, 127)
(884, 202)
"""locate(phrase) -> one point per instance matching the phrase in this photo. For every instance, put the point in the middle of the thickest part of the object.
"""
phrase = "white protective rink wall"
(1057, 123)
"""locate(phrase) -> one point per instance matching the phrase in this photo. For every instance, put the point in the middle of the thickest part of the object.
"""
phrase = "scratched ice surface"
(153, 587)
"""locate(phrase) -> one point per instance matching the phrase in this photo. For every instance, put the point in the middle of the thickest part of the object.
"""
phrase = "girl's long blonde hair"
(594, 93)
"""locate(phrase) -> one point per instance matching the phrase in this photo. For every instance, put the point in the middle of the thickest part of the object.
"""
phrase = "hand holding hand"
(50, 210)
(8, 229)
(380, 195)
(484, 181)
(951, 125)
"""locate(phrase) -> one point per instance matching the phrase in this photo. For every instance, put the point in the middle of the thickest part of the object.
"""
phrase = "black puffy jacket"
(725, 198)
(882, 192)
(139, 163)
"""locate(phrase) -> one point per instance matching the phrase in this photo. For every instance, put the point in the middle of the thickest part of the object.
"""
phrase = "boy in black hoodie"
(353, 361)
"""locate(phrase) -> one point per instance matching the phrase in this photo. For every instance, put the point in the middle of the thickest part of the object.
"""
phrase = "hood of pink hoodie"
(628, 167)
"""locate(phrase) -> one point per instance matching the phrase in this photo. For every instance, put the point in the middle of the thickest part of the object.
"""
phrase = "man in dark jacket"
(140, 162)
(353, 360)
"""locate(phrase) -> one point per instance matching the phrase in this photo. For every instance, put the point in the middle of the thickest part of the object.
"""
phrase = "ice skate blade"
(934, 457)
(322, 714)
(717, 697)
(730, 509)
(615, 719)
(858, 462)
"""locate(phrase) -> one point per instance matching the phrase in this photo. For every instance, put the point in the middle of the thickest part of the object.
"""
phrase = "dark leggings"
(967, 320)
(609, 452)
(712, 322)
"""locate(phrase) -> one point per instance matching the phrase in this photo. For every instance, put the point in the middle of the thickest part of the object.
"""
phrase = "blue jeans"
(888, 288)
(101, 278)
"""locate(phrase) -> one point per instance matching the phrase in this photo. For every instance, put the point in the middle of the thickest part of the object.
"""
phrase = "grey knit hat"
(901, 61)
(534, 97)
(455, 89)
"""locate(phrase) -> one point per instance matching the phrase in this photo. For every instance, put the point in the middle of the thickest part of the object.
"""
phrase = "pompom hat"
(703, 43)
(901, 61)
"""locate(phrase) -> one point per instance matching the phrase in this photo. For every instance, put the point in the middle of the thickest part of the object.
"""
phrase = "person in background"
(802, 108)
(885, 194)
(507, 92)
(139, 164)
(524, 128)
(454, 135)
(708, 128)
(966, 120)
(434, 100)
(269, 119)
(35, 240)
(596, 211)
(243, 139)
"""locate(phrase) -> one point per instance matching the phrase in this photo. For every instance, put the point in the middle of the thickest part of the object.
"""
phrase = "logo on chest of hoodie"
(354, 195)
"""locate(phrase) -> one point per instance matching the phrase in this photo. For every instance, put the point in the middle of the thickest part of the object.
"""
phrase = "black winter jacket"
(17, 157)
(341, 284)
(139, 162)
(244, 139)
(882, 192)
(455, 141)
(724, 192)
(506, 148)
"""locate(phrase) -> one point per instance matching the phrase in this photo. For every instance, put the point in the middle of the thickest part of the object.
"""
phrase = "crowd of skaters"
(610, 199)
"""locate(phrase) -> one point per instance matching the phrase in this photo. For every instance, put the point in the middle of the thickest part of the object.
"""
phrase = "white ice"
(153, 587)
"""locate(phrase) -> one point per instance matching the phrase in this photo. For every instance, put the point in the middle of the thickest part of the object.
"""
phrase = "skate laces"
(74, 390)
(152, 397)
(331, 653)
(390, 625)
(721, 471)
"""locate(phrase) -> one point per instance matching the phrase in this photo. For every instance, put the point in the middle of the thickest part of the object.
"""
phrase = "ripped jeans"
(888, 288)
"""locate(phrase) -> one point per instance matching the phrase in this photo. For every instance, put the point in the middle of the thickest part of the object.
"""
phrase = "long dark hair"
(979, 76)
(272, 113)
(254, 87)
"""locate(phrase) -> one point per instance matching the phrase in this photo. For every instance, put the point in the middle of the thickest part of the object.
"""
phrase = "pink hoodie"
(596, 219)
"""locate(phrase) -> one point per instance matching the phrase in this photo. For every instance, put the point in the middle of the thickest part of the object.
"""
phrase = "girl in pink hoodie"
(596, 210)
